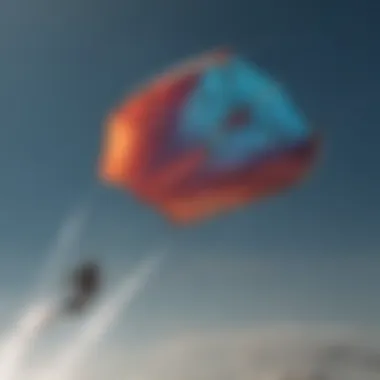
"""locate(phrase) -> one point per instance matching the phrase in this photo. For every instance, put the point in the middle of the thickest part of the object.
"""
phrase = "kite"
(208, 136)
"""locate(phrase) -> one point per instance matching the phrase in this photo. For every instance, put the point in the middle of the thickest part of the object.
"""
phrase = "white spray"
(14, 346)
(67, 361)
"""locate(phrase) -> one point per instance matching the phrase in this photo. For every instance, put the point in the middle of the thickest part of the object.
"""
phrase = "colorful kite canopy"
(206, 137)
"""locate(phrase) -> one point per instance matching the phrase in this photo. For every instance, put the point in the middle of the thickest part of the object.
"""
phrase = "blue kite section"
(274, 122)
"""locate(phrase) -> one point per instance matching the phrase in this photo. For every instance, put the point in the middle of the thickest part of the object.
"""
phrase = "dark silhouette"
(85, 282)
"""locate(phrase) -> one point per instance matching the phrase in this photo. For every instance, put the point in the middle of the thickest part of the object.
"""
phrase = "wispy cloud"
(278, 353)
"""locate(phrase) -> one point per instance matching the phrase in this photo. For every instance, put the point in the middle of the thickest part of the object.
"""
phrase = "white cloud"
(276, 353)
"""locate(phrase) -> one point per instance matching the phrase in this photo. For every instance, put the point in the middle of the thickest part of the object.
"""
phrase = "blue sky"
(309, 254)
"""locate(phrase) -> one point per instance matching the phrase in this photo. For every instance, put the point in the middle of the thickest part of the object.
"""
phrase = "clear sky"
(310, 254)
